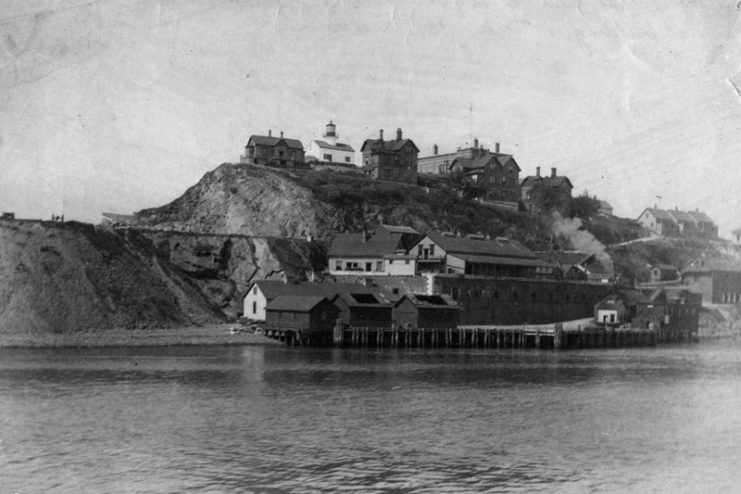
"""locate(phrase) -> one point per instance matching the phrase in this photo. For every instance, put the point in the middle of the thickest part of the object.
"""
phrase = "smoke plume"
(571, 229)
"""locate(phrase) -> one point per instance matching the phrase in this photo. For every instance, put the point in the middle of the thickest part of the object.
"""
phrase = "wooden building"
(426, 311)
(273, 151)
(630, 306)
(393, 160)
(262, 292)
(301, 313)
(364, 309)
(540, 193)
(477, 255)
(719, 283)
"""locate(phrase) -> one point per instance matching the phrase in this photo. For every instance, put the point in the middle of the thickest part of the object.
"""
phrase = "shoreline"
(210, 335)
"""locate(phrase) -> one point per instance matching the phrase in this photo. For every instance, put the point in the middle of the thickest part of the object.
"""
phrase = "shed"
(426, 311)
(301, 313)
(611, 310)
(363, 309)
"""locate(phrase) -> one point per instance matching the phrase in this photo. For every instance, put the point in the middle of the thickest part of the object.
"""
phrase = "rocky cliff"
(245, 200)
(66, 277)
(255, 200)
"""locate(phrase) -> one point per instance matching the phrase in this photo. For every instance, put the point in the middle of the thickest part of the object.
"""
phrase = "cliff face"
(222, 267)
(259, 201)
(68, 277)
(242, 199)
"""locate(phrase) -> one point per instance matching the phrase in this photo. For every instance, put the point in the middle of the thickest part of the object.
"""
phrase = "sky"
(122, 105)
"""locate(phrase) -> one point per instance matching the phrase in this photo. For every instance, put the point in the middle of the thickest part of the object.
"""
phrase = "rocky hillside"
(254, 200)
(245, 200)
(58, 277)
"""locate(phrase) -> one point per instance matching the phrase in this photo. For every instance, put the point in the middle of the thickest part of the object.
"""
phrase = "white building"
(328, 150)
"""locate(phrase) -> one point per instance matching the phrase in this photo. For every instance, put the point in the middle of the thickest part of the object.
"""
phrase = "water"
(274, 419)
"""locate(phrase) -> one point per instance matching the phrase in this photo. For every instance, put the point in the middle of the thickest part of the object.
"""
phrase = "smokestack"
(434, 149)
(496, 147)
(381, 134)
(476, 143)
(281, 134)
(270, 133)
(398, 134)
(537, 171)
(553, 173)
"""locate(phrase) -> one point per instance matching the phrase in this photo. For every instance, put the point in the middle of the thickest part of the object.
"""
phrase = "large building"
(719, 283)
(539, 193)
(328, 150)
(477, 255)
(273, 151)
(497, 173)
(678, 223)
(394, 160)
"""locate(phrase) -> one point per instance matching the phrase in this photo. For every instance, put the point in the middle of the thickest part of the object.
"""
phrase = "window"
(254, 290)
(419, 251)
(254, 307)
(432, 249)
(379, 266)
(406, 262)
(347, 159)
(328, 157)
(338, 265)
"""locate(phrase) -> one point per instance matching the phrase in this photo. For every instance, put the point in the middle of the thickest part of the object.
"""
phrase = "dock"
(557, 336)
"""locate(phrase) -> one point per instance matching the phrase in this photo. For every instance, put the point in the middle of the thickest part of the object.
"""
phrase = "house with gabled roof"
(305, 313)
(497, 173)
(262, 292)
(706, 227)
(385, 252)
(686, 223)
(329, 150)
(273, 151)
(363, 309)
(478, 255)
(394, 160)
(675, 222)
(658, 222)
(426, 311)
(539, 192)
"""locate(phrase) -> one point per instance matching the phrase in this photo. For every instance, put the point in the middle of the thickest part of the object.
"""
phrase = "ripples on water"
(267, 419)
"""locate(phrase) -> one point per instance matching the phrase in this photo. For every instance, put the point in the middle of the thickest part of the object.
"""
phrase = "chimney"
(398, 134)
(553, 173)
(476, 143)
(434, 149)
(496, 147)
(537, 171)
(270, 133)
(381, 134)
(281, 134)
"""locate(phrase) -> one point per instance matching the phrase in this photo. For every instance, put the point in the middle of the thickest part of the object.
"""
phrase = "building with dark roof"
(630, 306)
(273, 151)
(426, 311)
(262, 292)
(676, 223)
(306, 313)
(363, 309)
(385, 252)
(477, 255)
(540, 193)
(329, 150)
(394, 160)
(498, 174)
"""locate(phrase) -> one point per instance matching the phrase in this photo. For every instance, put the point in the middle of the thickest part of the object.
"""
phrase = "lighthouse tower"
(330, 134)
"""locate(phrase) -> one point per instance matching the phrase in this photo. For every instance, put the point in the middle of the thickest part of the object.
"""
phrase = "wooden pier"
(553, 336)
